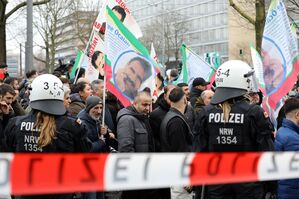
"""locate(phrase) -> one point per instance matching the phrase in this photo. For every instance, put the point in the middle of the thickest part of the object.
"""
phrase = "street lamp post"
(163, 34)
(29, 42)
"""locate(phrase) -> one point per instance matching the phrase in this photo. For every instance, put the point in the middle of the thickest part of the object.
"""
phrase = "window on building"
(225, 33)
(201, 9)
(217, 35)
(205, 8)
(205, 36)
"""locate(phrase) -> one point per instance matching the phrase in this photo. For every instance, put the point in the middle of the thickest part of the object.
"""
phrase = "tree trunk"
(2, 32)
(47, 54)
(176, 50)
(259, 23)
(52, 57)
(2, 42)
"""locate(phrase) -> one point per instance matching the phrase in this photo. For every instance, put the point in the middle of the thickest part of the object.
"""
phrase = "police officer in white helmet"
(232, 124)
(46, 128)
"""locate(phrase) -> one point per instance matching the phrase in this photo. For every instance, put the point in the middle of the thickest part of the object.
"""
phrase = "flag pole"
(104, 101)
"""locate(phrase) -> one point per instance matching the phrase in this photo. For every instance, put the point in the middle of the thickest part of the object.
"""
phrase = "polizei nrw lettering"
(237, 118)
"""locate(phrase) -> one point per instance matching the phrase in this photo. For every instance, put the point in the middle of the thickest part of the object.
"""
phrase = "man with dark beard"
(130, 77)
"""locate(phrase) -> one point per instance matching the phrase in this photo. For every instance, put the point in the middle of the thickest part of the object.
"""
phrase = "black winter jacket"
(22, 136)
(93, 129)
(176, 135)
(156, 118)
(194, 94)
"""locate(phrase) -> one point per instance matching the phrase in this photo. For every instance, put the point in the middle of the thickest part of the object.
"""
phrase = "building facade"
(203, 25)
(206, 21)
(210, 25)
(74, 31)
(13, 63)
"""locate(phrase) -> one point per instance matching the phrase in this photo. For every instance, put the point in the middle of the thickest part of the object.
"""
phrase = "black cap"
(199, 81)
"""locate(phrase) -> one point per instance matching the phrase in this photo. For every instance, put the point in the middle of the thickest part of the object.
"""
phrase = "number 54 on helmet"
(234, 78)
(46, 95)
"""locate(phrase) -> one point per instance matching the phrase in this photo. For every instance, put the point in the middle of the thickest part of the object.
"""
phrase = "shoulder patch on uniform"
(78, 121)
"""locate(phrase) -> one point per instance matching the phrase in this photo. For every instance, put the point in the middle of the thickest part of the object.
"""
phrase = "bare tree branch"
(293, 6)
(17, 7)
(295, 3)
(41, 60)
(241, 12)
(39, 45)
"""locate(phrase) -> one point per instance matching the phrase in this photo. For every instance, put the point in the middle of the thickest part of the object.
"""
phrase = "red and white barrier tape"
(62, 173)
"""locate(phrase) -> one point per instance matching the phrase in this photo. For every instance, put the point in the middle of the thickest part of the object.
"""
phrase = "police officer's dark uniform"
(22, 135)
(245, 129)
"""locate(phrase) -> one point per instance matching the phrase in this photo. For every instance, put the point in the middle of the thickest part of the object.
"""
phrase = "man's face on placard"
(117, 14)
(100, 61)
(130, 77)
(272, 70)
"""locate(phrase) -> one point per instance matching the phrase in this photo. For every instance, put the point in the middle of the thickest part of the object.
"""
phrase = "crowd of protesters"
(53, 113)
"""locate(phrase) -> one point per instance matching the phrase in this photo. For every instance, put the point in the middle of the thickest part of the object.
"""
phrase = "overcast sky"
(16, 28)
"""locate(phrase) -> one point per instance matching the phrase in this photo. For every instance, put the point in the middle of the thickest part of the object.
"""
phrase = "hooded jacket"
(199, 104)
(194, 94)
(156, 118)
(76, 105)
(93, 128)
(287, 139)
(133, 131)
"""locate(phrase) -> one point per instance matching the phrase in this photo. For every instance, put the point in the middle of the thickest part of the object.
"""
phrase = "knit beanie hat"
(91, 102)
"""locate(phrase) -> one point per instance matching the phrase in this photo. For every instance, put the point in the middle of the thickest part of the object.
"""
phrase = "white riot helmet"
(47, 95)
(233, 79)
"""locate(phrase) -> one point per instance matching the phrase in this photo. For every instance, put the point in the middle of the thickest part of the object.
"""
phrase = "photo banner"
(92, 61)
(193, 66)
(258, 68)
(128, 64)
(279, 54)
(95, 56)
(124, 13)
(82, 60)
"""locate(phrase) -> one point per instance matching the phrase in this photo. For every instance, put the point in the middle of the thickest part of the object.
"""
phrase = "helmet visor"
(223, 94)
(52, 107)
